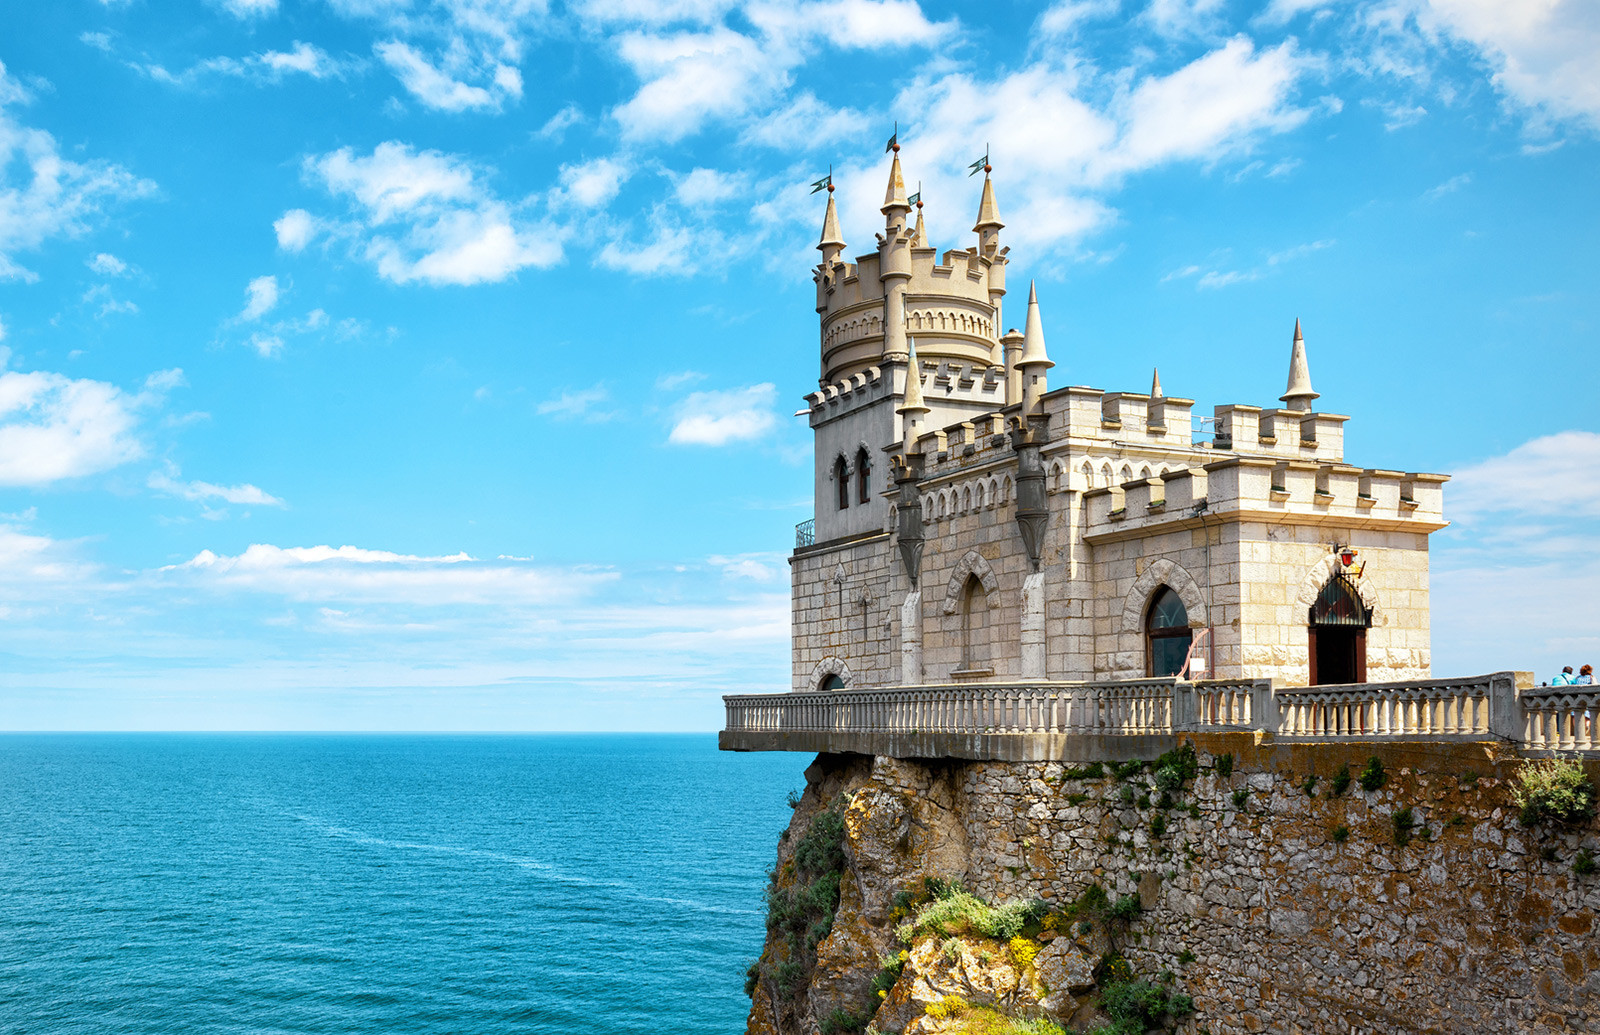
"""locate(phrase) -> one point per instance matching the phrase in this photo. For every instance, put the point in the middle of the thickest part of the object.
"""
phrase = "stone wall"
(1275, 909)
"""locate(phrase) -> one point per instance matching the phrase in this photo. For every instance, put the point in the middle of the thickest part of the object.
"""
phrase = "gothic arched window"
(974, 625)
(841, 477)
(863, 476)
(1167, 633)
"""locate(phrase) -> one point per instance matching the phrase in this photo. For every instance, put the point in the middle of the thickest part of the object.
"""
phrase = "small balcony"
(805, 533)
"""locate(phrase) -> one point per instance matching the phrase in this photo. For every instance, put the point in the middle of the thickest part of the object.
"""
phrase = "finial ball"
(987, 168)
(895, 148)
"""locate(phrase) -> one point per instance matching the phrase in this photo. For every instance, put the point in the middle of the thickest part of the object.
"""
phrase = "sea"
(484, 884)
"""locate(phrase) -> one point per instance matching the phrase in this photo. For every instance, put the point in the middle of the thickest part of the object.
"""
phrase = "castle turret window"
(1167, 633)
(863, 476)
(841, 477)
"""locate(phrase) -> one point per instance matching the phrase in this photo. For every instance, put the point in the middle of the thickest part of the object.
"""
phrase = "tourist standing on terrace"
(1585, 676)
(1563, 678)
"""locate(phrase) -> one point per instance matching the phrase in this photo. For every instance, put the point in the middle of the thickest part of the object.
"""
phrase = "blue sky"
(428, 364)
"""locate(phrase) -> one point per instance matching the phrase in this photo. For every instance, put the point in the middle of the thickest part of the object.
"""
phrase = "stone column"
(1033, 642)
(911, 639)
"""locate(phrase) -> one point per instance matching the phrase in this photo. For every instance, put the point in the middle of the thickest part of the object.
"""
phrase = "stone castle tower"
(972, 524)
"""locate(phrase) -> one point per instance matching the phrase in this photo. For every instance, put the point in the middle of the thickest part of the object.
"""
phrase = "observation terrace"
(1141, 718)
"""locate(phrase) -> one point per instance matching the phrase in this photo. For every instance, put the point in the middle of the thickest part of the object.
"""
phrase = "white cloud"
(107, 264)
(1449, 186)
(44, 195)
(295, 229)
(349, 573)
(670, 250)
(592, 184)
(1549, 476)
(669, 382)
(261, 296)
(574, 403)
(98, 40)
(807, 123)
(1544, 54)
(1103, 128)
(689, 78)
(304, 58)
(706, 187)
(1064, 17)
(245, 9)
(269, 66)
(557, 125)
(1178, 18)
(53, 427)
(438, 89)
(758, 567)
(243, 495)
(1526, 535)
(426, 216)
(1217, 278)
(717, 418)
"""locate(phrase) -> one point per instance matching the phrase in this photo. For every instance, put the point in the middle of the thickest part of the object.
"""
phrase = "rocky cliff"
(1230, 886)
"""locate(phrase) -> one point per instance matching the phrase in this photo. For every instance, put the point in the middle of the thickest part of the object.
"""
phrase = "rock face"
(1276, 909)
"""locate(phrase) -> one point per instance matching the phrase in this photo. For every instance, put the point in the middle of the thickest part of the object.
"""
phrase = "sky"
(429, 364)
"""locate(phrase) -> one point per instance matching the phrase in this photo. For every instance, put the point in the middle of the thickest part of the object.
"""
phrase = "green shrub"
(1144, 801)
(1123, 770)
(1555, 789)
(1583, 865)
(1403, 821)
(1126, 794)
(1340, 782)
(1373, 776)
(889, 971)
(842, 1020)
(1093, 900)
(751, 976)
(803, 909)
(1341, 834)
(1125, 908)
(1077, 799)
(1469, 779)
(1177, 767)
(1310, 786)
(1224, 765)
(1185, 958)
(1158, 826)
(794, 799)
(1241, 798)
(1092, 771)
(960, 912)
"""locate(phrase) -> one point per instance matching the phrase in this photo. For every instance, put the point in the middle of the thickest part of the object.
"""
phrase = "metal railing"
(1474, 708)
(805, 533)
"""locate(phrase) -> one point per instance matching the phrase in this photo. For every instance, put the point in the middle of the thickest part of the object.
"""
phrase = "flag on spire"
(894, 141)
(826, 183)
(981, 165)
(915, 199)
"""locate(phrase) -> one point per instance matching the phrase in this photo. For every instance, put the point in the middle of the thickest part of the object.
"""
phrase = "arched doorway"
(1336, 640)
(1167, 633)
(831, 682)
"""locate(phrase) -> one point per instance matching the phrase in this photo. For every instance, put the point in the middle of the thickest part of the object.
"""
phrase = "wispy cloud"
(167, 482)
(572, 404)
(1449, 186)
(54, 428)
(717, 418)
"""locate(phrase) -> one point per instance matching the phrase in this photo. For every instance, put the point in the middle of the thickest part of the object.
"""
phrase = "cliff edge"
(1228, 886)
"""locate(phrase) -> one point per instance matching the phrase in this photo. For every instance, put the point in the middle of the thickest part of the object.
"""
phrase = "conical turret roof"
(830, 226)
(1033, 353)
(1155, 384)
(895, 196)
(919, 239)
(988, 211)
(1299, 395)
(913, 401)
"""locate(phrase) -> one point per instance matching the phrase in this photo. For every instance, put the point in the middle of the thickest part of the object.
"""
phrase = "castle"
(974, 525)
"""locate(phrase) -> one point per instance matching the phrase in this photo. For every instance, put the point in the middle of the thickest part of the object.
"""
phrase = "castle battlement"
(974, 525)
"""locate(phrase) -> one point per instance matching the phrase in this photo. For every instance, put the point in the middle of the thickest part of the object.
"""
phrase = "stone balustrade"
(1128, 718)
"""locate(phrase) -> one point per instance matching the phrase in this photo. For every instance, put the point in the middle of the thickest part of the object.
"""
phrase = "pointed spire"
(895, 196)
(913, 402)
(920, 238)
(988, 211)
(1155, 384)
(1299, 395)
(831, 237)
(1033, 353)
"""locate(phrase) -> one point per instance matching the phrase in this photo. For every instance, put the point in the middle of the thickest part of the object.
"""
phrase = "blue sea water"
(471, 884)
